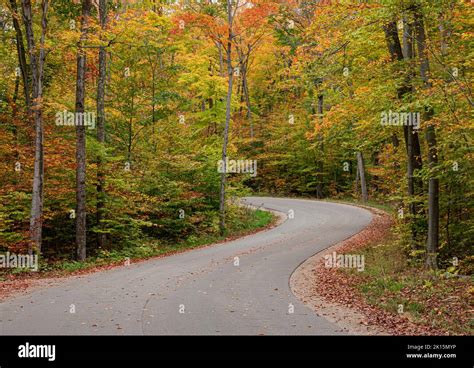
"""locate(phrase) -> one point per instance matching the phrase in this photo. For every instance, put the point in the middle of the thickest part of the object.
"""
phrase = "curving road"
(202, 291)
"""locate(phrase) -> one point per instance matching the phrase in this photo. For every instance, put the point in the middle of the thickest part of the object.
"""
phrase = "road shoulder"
(304, 286)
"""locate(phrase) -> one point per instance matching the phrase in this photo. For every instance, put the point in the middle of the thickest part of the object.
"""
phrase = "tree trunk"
(433, 182)
(37, 69)
(407, 40)
(412, 141)
(433, 202)
(363, 183)
(81, 225)
(14, 115)
(230, 74)
(101, 128)
(319, 185)
(395, 144)
(21, 54)
(247, 97)
(356, 189)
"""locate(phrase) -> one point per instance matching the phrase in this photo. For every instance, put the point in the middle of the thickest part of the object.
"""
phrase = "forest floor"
(391, 296)
(12, 282)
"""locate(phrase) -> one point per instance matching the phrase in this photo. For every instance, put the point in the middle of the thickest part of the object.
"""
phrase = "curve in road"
(199, 292)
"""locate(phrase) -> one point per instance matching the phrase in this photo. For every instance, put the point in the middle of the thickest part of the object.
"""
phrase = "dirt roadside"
(331, 294)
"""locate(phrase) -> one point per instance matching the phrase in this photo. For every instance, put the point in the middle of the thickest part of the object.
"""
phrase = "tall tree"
(412, 142)
(101, 125)
(433, 181)
(361, 170)
(320, 163)
(37, 61)
(230, 74)
(250, 32)
(20, 47)
(81, 211)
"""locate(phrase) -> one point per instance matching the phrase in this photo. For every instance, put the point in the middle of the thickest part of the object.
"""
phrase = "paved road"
(197, 292)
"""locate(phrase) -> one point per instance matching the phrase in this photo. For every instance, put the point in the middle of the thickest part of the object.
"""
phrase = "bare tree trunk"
(412, 142)
(21, 54)
(412, 138)
(319, 185)
(433, 182)
(408, 130)
(81, 212)
(230, 74)
(433, 202)
(363, 183)
(395, 144)
(445, 27)
(247, 97)
(407, 39)
(14, 115)
(356, 189)
(443, 36)
(101, 127)
(37, 68)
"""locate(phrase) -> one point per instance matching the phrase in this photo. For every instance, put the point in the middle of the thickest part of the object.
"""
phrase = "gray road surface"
(198, 292)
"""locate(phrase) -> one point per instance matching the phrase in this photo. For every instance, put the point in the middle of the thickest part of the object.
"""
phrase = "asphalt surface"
(205, 291)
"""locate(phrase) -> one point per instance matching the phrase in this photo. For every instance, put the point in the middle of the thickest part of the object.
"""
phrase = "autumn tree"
(81, 211)
(37, 62)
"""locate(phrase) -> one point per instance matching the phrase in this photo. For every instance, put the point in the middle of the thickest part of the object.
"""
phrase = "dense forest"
(128, 121)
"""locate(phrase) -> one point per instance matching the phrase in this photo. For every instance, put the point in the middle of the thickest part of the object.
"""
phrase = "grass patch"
(438, 299)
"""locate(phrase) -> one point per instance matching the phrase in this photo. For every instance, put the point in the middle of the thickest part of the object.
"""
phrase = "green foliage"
(165, 105)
